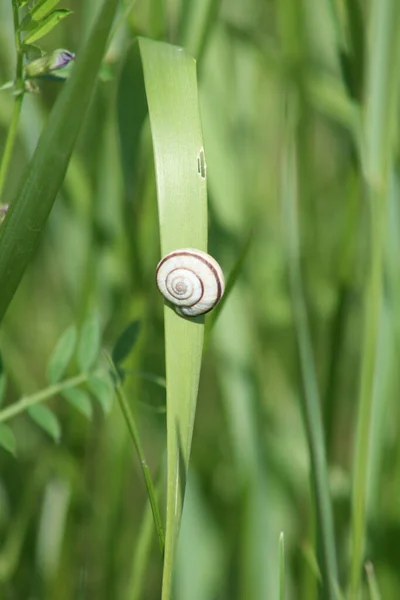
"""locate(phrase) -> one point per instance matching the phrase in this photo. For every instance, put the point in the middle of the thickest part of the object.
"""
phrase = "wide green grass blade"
(171, 88)
(26, 218)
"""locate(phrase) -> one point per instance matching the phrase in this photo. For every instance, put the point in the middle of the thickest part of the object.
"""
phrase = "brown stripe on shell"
(201, 283)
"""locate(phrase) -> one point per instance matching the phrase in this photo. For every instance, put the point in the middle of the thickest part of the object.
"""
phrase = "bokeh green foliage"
(74, 519)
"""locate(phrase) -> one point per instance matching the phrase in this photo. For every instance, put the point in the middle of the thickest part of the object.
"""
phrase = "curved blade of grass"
(171, 88)
(312, 405)
(27, 215)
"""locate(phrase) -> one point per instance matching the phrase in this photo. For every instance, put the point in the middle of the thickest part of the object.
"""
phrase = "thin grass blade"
(381, 107)
(311, 399)
(281, 567)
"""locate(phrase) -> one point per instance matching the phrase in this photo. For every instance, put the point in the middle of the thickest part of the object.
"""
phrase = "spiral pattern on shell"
(191, 280)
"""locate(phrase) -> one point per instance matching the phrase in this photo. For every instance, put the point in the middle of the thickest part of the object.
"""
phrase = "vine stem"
(19, 85)
(133, 430)
(27, 401)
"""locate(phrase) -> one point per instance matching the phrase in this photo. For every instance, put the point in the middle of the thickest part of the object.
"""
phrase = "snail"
(191, 280)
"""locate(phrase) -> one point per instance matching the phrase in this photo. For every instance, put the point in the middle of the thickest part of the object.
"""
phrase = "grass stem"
(133, 430)
(312, 405)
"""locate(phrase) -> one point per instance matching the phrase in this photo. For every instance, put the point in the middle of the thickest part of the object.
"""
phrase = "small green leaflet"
(89, 343)
(32, 52)
(46, 420)
(80, 400)
(8, 85)
(42, 8)
(61, 355)
(102, 389)
(7, 439)
(125, 342)
(27, 23)
(46, 25)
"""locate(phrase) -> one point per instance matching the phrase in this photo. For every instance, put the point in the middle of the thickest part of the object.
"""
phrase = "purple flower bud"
(60, 59)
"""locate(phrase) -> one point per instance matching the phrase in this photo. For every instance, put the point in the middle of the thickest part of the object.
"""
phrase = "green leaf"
(61, 355)
(46, 420)
(89, 343)
(46, 25)
(7, 439)
(27, 23)
(102, 390)
(8, 85)
(42, 8)
(28, 213)
(2, 387)
(32, 52)
(80, 400)
(172, 96)
(125, 342)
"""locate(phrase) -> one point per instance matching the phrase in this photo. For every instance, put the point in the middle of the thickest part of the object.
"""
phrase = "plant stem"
(311, 400)
(130, 421)
(28, 401)
(19, 84)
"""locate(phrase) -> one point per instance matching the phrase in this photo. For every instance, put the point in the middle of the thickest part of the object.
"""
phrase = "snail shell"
(191, 280)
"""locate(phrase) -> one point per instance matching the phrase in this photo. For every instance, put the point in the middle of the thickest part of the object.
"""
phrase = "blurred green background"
(73, 516)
